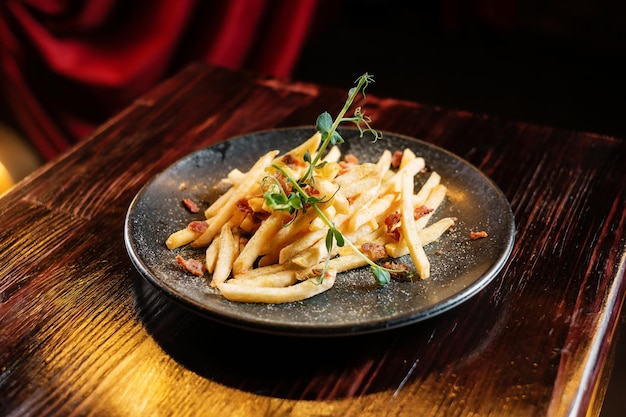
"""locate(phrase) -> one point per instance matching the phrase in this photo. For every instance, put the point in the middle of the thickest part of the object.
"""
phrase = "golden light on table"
(6, 181)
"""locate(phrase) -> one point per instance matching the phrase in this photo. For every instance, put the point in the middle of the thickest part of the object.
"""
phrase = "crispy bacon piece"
(374, 251)
(393, 222)
(396, 158)
(198, 226)
(193, 266)
(396, 266)
(311, 190)
(243, 205)
(259, 216)
(478, 235)
(351, 159)
(421, 211)
(282, 180)
(190, 205)
(348, 162)
(288, 159)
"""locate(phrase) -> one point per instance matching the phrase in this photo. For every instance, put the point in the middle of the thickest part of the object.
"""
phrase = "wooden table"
(81, 333)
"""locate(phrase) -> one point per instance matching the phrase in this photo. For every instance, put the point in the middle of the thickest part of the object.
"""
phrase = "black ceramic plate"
(356, 304)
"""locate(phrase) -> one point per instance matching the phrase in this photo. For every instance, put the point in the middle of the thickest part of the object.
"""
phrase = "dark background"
(549, 62)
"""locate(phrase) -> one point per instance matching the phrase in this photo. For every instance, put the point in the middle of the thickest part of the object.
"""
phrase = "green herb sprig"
(298, 200)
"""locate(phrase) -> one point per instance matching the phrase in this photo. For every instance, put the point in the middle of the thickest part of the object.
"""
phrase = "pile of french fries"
(279, 259)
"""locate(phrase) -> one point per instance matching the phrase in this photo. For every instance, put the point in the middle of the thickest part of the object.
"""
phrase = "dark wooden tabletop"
(81, 333)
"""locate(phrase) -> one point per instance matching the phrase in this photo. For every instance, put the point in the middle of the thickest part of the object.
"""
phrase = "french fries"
(257, 254)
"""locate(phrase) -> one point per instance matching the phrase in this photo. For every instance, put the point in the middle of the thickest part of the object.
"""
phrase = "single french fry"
(282, 278)
(338, 264)
(407, 157)
(332, 155)
(434, 200)
(420, 197)
(384, 163)
(310, 145)
(235, 177)
(255, 273)
(311, 255)
(180, 238)
(225, 256)
(277, 295)
(409, 232)
(433, 232)
(257, 245)
(249, 224)
(327, 171)
(257, 203)
(210, 255)
(427, 235)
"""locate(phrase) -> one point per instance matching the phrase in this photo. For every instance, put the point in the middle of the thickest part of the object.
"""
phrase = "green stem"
(362, 81)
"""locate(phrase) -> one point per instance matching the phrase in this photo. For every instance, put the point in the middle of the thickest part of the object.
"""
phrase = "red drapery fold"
(66, 66)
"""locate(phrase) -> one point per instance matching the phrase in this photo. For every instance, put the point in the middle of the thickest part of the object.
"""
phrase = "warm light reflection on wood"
(6, 181)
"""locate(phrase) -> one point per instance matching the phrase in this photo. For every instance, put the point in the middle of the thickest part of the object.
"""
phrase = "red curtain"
(68, 65)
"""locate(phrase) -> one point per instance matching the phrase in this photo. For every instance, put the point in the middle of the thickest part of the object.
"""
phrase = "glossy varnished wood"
(82, 334)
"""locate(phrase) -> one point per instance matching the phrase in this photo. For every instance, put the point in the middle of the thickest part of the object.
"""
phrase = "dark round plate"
(356, 304)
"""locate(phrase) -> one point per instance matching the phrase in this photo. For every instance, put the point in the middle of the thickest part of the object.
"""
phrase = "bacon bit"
(288, 159)
(256, 216)
(396, 266)
(282, 180)
(348, 162)
(396, 158)
(351, 159)
(478, 235)
(192, 266)
(198, 226)
(393, 222)
(190, 205)
(374, 251)
(311, 190)
(243, 206)
(317, 273)
(259, 216)
(421, 211)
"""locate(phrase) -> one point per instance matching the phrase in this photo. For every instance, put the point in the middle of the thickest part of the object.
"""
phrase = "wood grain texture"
(82, 334)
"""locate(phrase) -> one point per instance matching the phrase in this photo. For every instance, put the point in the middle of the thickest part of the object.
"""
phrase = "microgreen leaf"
(338, 237)
(329, 240)
(336, 139)
(324, 123)
(383, 277)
